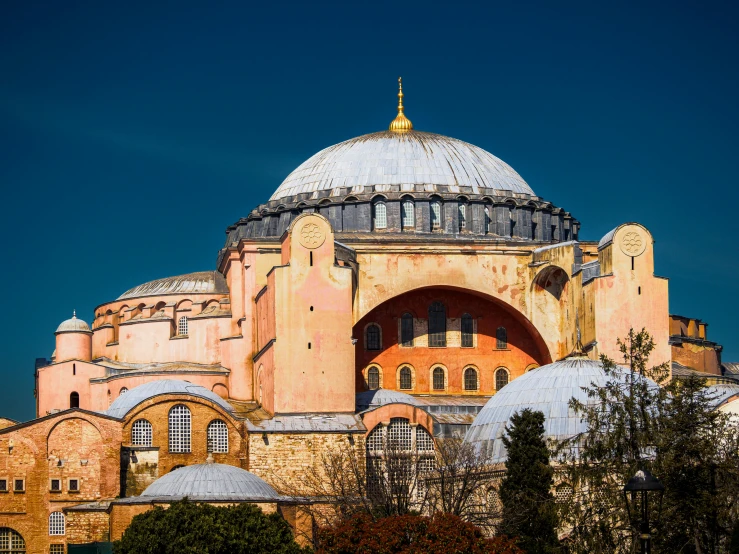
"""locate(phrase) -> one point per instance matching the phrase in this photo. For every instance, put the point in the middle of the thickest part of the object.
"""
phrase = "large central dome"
(404, 159)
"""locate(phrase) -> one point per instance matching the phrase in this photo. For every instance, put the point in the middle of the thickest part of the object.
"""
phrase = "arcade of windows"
(408, 216)
(180, 432)
(406, 378)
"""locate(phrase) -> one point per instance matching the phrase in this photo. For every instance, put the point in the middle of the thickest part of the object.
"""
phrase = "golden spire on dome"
(401, 123)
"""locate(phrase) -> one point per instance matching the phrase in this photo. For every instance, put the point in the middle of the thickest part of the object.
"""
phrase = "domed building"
(393, 283)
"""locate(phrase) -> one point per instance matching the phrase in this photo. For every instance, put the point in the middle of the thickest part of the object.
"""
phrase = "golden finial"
(401, 123)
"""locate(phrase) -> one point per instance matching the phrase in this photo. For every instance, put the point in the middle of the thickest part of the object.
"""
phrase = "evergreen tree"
(529, 511)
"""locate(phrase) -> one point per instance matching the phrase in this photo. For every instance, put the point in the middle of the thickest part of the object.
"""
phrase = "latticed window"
(467, 331)
(11, 542)
(141, 433)
(462, 210)
(493, 501)
(501, 378)
(373, 378)
(470, 379)
(182, 325)
(179, 429)
(372, 340)
(56, 523)
(563, 493)
(406, 330)
(424, 442)
(501, 338)
(55, 549)
(407, 214)
(376, 439)
(399, 435)
(438, 378)
(487, 220)
(437, 324)
(380, 216)
(406, 381)
(218, 437)
(435, 214)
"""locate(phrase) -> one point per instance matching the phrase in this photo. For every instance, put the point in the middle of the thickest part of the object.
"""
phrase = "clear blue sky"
(132, 134)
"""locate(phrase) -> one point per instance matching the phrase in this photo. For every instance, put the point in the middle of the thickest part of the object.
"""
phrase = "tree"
(441, 533)
(190, 528)
(529, 511)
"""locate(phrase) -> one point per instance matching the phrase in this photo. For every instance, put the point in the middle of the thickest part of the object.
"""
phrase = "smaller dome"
(73, 325)
(211, 481)
(379, 397)
(127, 402)
(199, 282)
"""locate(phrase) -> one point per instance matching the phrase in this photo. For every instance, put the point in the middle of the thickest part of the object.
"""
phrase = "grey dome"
(199, 282)
(211, 482)
(379, 397)
(723, 392)
(73, 325)
(127, 402)
(547, 389)
(402, 159)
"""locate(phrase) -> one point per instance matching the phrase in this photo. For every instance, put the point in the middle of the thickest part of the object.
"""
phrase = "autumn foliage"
(409, 534)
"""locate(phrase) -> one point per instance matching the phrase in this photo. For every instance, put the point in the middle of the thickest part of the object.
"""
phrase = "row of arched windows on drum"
(470, 378)
(437, 331)
(180, 432)
(436, 207)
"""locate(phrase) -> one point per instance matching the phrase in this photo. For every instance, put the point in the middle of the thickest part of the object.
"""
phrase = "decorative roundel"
(312, 236)
(633, 243)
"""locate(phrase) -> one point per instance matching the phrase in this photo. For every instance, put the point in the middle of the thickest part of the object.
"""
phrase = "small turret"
(73, 340)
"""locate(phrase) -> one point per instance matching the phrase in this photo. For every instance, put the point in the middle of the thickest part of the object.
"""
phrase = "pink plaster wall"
(57, 381)
(73, 346)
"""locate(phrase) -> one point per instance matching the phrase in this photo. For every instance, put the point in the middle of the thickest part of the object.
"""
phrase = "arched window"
(470, 379)
(501, 338)
(406, 380)
(179, 429)
(406, 330)
(487, 220)
(11, 542)
(182, 326)
(141, 433)
(438, 378)
(123, 390)
(372, 339)
(218, 437)
(462, 212)
(435, 215)
(501, 378)
(74, 400)
(380, 218)
(407, 214)
(56, 524)
(437, 324)
(467, 331)
(373, 378)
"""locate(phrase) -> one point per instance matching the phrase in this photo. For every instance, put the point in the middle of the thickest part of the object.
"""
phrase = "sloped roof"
(128, 401)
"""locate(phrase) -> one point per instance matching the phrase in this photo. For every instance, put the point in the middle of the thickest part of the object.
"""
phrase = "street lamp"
(636, 493)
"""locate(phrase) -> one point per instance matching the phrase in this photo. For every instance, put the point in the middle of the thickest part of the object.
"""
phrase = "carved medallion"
(311, 236)
(633, 244)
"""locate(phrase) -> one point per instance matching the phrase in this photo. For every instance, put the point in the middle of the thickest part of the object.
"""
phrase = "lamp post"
(636, 494)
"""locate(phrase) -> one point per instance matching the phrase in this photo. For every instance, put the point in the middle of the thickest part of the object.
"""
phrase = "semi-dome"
(210, 481)
(127, 402)
(73, 325)
(199, 282)
(547, 389)
(379, 397)
(405, 159)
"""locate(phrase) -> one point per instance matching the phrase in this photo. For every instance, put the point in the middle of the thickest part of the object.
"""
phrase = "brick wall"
(86, 527)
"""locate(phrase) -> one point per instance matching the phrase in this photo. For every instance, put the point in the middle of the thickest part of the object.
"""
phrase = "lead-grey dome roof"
(73, 325)
(199, 282)
(380, 397)
(722, 392)
(211, 481)
(547, 389)
(403, 159)
(128, 401)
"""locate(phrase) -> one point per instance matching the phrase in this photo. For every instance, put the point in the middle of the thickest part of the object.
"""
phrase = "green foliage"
(408, 534)
(529, 511)
(189, 528)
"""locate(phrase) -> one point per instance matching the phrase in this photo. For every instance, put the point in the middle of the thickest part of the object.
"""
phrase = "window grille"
(372, 340)
(470, 379)
(563, 494)
(124, 390)
(375, 439)
(437, 324)
(373, 378)
(400, 435)
(438, 378)
(380, 216)
(424, 442)
(467, 331)
(19, 485)
(501, 338)
(56, 485)
(141, 433)
(55, 549)
(462, 209)
(182, 326)
(406, 382)
(435, 214)
(425, 465)
(179, 429)
(3, 485)
(493, 501)
(11, 542)
(218, 437)
(501, 378)
(407, 214)
(406, 330)
(487, 220)
(74, 485)
(56, 523)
